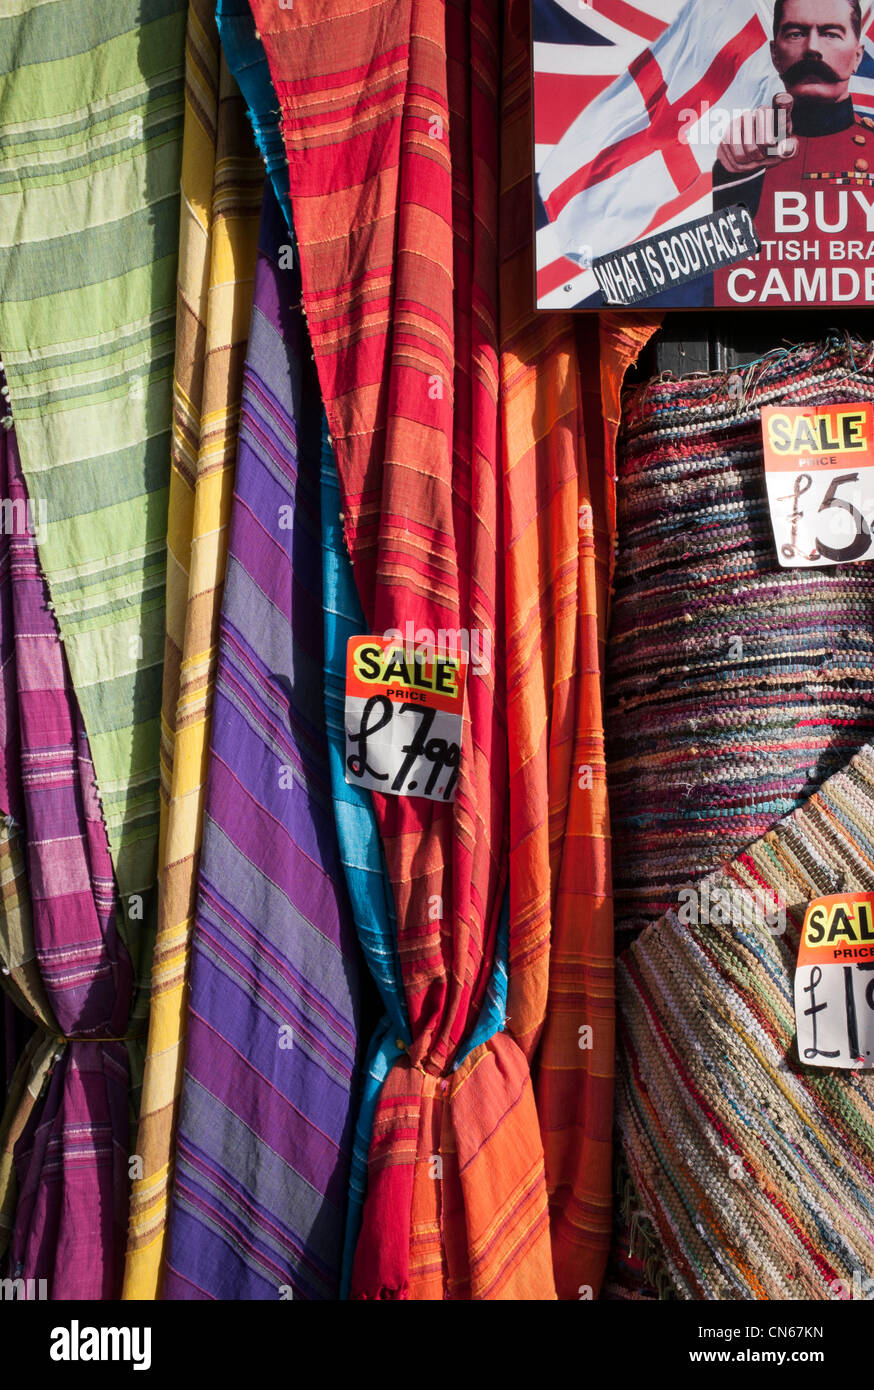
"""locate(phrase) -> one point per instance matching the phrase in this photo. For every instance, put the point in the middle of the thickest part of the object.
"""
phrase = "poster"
(703, 153)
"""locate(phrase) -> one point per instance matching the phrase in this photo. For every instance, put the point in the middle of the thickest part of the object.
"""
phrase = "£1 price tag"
(404, 710)
(819, 470)
(834, 983)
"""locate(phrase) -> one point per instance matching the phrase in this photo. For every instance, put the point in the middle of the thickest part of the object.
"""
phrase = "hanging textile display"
(222, 186)
(247, 61)
(90, 135)
(265, 1120)
(359, 844)
(65, 1132)
(557, 377)
(358, 840)
(414, 255)
(749, 686)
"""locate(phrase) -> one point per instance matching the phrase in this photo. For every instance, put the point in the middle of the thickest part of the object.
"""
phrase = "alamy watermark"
(470, 646)
(709, 904)
(710, 125)
(18, 516)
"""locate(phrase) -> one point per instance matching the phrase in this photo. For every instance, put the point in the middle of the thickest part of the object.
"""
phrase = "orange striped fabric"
(222, 193)
(560, 382)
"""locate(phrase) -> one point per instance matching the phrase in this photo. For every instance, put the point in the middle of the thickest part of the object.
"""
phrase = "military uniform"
(814, 214)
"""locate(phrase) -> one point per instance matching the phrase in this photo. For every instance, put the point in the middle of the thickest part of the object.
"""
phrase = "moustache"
(810, 67)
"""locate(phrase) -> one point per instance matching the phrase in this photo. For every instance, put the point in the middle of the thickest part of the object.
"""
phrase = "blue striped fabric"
(248, 63)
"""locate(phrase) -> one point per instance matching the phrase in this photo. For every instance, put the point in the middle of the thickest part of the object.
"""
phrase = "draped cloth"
(390, 122)
(560, 379)
(222, 185)
(358, 840)
(65, 1132)
(91, 100)
(90, 144)
(265, 1121)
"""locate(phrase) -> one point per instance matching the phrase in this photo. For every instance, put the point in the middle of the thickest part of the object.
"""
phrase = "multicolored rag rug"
(755, 1174)
(744, 686)
(735, 687)
(265, 1122)
(222, 193)
(65, 1131)
(91, 106)
(395, 208)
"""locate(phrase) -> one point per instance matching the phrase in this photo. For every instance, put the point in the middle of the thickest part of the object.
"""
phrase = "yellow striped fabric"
(222, 190)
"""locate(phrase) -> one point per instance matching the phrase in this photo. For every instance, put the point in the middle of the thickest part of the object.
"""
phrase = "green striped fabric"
(91, 110)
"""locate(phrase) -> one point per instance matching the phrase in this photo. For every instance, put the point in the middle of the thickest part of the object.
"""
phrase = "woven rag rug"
(734, 687)
(265, 1121)
(749, 689)
(222, 188)
(755, 1174)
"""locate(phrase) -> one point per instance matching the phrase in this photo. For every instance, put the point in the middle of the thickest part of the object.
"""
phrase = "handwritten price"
(430, 749)
(835, 1010)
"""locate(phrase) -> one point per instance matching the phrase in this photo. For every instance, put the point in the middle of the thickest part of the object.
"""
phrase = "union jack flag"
(614, 85)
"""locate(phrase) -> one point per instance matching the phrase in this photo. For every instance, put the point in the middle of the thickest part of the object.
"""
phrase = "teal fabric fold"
(248, 63)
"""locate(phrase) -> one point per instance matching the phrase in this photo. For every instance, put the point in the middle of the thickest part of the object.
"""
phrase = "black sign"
(676, 256)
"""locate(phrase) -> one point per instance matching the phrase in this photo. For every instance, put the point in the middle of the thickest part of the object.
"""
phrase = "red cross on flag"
(629, 164)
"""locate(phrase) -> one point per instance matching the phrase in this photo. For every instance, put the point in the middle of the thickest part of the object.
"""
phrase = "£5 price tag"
(834, 983)
(819, 470)
(404, 710)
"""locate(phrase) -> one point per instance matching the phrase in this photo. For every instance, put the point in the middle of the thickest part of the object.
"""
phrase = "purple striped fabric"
(264, 1136)
(71, 1153)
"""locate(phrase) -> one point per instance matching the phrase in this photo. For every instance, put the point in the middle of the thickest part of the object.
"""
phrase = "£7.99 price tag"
(819, 470)
(403, 718)
(834, 983)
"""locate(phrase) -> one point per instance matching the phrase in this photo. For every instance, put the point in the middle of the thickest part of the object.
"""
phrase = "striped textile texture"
(389, 115)
(735, 687)
(559, 400)
(360, 847)
(91, 105)
(247, 61)
(753, 1174)
(358, 839)
(65, 1132)
(222, 192)
(265, 1122)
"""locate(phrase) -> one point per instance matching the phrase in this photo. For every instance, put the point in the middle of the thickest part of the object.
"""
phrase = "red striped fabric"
(390, 118)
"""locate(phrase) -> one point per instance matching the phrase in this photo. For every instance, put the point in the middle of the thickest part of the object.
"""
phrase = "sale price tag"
(834, 983)
(403, 718)
(819, 470)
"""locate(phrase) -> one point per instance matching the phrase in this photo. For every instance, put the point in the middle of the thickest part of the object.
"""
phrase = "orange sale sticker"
(404, 709)
(834, 982)
(819, 473)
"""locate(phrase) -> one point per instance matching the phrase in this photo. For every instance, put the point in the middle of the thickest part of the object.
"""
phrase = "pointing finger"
(783, 104)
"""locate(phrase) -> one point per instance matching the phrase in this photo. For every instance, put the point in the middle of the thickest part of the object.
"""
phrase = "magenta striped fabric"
(71, 1156)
